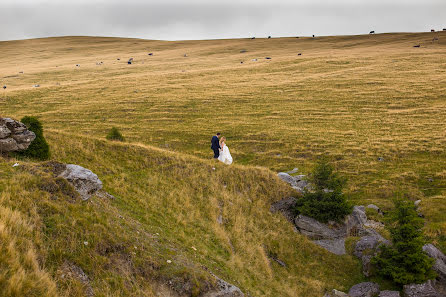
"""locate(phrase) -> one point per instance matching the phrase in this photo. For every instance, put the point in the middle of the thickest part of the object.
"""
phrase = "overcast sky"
(211, 19)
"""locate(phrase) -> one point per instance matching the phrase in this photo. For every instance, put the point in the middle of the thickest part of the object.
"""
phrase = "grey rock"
(84, 181)
(366, 265)
(355, 222)
(224, 289)
(4, 132)
(387, 293)
(368, 244)
(14, 136)
(285, 206)
(336, 293)
(316, 230)
(417, 203)
(294, 170)
(335, 246)
(439, 265)
(373, 206)
(367, 289)
(426, 289)
(297, 182)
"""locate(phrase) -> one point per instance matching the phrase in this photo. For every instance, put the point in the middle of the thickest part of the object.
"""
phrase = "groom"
(216, 145)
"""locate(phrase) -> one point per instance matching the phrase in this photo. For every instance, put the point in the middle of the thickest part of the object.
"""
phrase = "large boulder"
(426, 289)
(317, 230)
(84, 181)
(439, 266)
(14, 136)
(335, 246)
(368, 244)
(367, 289)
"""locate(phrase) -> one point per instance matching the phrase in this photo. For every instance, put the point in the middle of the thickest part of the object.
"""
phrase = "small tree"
(405, 262)
(114, 134)
(326, 202)
(39, 148)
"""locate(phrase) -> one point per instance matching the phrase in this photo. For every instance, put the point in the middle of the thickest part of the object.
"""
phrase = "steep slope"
(166, 208)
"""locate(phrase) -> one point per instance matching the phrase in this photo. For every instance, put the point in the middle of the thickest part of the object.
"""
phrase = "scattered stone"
(297, 182)
(15, 165)
(373, 206)
(84, 181)
(14, 136)
(336, 293)
(36, 86)
(387, 293)
(220, 219)
(294, 170)
(185, 55)
(417, 203)
(367, 289)
(243, 51)
(380, 159)
(254, 60)
(285, 206)
(169, 261)
(426, 289)
(366, 265)
(85, 243)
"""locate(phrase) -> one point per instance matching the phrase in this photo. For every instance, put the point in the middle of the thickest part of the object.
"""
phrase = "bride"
(225, 155)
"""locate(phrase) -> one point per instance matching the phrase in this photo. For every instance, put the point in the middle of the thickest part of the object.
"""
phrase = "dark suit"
(215, 146)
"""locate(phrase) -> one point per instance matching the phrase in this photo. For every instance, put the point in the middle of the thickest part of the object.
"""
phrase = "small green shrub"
(326, 202)
(39, 148)
(405, 262)
(114, 134)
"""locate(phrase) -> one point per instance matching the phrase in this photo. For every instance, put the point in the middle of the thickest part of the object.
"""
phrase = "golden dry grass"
(354, 98)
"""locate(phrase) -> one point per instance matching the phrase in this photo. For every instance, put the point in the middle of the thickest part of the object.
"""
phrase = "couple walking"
(221, 150)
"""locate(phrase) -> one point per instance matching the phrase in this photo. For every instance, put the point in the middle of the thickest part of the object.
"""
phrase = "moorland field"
(374, 104)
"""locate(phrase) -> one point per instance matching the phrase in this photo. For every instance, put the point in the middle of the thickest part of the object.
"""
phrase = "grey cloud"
(206, 21)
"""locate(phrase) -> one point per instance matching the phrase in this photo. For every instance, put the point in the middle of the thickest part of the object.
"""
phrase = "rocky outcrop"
(367, 289)
(224, 289)
(84, 181)
(426, 289)
(317, 230)
(439, 266)
(14, 136)
(297, 182)
(286, 207)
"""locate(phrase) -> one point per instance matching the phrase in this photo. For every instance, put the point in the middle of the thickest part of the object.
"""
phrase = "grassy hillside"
(353, 98)
(166, 208)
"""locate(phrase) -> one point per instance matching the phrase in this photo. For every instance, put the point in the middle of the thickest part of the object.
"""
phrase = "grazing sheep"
(185, 55)
(444, 29)
(432, 30)
(268, 58)
(372, 32)
(130, 61)
(299, 54)
(243, 51)
(416, 45)
(78, 65)
(254, 60)
(253, 38)
(4, 87)
(313, 35)
(150, 54)
(36, 86)
(269, 37)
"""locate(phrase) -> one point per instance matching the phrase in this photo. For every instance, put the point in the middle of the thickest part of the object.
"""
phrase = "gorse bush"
(405, 262)
(325, 202)
(114, 134)
(39, 148)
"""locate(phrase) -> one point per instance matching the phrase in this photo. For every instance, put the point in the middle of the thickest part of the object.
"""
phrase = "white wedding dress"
(225, 156)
